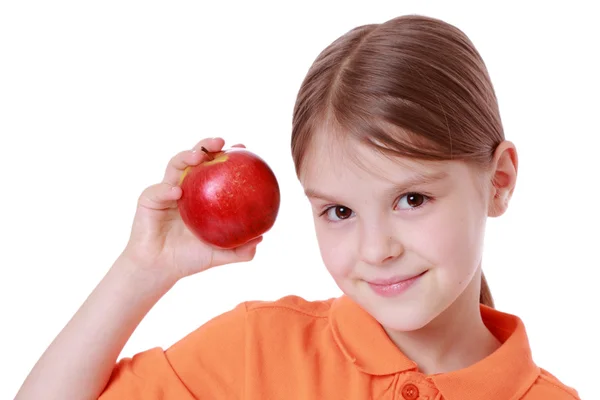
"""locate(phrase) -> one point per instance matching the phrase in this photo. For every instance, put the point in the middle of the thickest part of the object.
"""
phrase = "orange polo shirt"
(295, 349)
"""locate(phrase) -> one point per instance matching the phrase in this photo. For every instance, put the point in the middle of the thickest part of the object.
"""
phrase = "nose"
(379, 242)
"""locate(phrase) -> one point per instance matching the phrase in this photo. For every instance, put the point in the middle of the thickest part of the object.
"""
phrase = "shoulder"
(288, 322)
(549, 387)
(289, 314)
(292, 306)
(260, 317)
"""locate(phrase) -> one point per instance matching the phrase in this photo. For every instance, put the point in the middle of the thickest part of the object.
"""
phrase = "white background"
(95, 97)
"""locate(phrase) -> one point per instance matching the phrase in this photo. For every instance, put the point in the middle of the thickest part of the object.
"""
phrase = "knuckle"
(173, 160)
(143, 199)
(148, 194)
(178, 161)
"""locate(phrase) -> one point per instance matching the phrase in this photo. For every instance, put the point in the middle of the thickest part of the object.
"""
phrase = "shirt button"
(410, 392)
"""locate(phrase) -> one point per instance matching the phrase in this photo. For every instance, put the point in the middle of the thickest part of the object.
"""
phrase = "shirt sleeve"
(206, 364)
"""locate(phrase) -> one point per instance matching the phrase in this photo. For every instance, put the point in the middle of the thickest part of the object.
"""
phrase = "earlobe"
(503, 178)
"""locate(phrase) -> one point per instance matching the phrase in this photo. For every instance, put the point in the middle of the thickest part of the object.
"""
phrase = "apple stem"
(210, 157)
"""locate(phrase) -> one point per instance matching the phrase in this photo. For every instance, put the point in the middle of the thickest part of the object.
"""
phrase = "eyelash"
(427, 199)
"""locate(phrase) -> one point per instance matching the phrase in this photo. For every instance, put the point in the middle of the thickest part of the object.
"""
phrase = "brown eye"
(343, 212)
(412, 200)
(415, 199)
(337, 213)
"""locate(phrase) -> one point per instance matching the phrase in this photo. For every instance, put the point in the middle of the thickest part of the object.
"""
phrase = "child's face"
(370, 227)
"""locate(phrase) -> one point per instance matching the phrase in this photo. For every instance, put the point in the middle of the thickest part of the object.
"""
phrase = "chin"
(405, 325)
(404, 318)
(401, 314)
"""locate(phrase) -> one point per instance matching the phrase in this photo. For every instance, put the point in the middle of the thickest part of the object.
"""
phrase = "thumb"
(242, 253)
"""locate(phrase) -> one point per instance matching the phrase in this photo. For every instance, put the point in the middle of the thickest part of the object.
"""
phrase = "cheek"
(453, 240)
(338, 250)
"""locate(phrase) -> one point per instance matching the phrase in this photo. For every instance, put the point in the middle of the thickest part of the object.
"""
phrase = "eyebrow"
(420, 179)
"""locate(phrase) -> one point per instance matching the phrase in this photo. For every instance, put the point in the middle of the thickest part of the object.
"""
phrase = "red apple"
(229, 199)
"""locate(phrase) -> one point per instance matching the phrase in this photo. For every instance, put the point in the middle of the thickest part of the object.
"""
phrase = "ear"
(503, 178)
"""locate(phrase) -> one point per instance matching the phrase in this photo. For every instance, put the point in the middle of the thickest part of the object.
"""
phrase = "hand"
(160, 242)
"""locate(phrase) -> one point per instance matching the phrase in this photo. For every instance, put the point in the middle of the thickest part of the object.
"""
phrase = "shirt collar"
(501, 375)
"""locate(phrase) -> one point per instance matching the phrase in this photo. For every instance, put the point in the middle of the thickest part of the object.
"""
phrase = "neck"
(454, 340)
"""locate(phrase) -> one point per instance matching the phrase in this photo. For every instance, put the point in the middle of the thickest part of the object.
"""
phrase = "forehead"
(337, 157)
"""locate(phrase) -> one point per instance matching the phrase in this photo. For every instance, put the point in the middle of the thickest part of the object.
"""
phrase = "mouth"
(394, 286)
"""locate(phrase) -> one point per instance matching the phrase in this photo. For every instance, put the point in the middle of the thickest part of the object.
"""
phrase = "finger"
(179, 163)
(239, 145)
(211, 144)
(160, 196)
(243, 253)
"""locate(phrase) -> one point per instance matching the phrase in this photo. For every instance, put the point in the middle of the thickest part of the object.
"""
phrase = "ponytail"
(485, 296)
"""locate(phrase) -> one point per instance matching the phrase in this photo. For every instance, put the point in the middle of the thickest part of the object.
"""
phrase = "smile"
(393, 286)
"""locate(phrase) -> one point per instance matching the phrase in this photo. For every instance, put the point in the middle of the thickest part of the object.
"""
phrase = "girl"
(398, 144)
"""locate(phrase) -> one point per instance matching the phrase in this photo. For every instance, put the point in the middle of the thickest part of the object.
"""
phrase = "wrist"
(143, 278)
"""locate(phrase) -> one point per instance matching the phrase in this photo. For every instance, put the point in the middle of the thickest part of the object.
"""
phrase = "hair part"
(412, 87)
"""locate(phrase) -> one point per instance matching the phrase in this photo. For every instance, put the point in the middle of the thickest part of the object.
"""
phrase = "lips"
(395, 286)
(394, 280)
